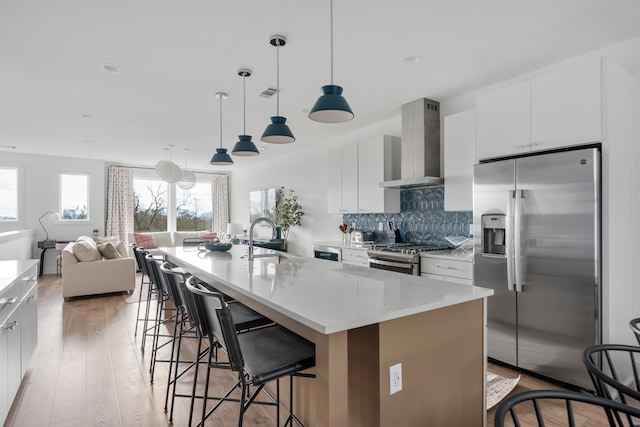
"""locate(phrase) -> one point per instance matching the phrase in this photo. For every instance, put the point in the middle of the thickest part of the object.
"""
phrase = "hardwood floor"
(88, 369)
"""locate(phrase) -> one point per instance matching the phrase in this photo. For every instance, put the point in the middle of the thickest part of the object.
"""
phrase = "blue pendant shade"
(278, 132)
(245, 147)
(331, 107)
(221, 158)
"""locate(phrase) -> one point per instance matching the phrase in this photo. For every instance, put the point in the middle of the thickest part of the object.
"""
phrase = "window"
(74, 197)
(150, 204)
(194, 207)
(8, 194)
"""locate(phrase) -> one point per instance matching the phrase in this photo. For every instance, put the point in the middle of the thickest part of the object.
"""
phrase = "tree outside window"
(150, 205)
(74, 197)
(194, 208)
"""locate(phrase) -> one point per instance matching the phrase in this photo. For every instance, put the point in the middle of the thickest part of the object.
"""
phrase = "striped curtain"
(120, 203)
(220, 198)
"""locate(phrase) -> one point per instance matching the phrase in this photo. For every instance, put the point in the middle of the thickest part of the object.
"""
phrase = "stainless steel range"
(400, 257)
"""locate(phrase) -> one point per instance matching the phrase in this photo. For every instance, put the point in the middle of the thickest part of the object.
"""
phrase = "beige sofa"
(95, 277)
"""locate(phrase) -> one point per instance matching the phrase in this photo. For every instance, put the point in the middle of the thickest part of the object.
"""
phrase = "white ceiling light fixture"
(188, 179)
(167, 170)
(110, 68)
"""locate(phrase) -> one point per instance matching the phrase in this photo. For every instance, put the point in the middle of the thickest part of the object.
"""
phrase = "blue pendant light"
(278, 132)
(244, 147)
(331, 107)
(221, 158)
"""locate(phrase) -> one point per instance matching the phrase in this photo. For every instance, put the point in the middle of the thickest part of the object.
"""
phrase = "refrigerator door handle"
(517, 219)
(509, 240)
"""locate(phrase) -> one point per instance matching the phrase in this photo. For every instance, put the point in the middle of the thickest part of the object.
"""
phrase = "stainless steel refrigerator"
(539, 250)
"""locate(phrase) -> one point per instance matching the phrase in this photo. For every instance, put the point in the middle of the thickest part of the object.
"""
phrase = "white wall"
(305, 171)
(17, 244)
(40, 193)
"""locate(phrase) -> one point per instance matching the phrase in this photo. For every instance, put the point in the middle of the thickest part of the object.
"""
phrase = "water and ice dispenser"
(494, 227)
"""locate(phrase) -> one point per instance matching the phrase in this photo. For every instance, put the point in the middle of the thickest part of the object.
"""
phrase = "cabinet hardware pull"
(8, 300)
(11, 326)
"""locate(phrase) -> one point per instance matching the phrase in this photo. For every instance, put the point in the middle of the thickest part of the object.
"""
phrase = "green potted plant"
(287, 212)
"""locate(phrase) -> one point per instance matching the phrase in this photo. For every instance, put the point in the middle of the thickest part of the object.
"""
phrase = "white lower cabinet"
(450, 270)
(355, 256)
(18, 329)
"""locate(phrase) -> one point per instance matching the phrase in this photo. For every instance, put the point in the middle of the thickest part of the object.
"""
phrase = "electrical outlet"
(395, 378)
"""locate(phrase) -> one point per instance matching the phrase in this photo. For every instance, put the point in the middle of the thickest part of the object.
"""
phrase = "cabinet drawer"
(9, 300)
(355, 256)
(27, 281)
(446, 267)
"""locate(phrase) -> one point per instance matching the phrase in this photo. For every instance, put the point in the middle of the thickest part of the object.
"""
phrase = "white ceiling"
(174, 55)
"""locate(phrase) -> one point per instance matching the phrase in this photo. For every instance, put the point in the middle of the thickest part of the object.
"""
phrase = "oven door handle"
(404, 265)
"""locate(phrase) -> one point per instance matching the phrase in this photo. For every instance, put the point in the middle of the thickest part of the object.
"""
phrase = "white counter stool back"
(258, 356)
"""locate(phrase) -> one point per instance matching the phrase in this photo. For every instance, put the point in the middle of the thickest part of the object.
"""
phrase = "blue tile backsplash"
(422, 219)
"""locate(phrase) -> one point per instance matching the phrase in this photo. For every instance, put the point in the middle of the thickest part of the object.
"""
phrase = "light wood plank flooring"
(89, 370)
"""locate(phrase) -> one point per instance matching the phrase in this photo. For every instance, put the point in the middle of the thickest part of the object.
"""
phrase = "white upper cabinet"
(342, 189)
(355, 172)
(378, 160)
(557, 109)
(504, 121)
(459, 158)
(566, 107)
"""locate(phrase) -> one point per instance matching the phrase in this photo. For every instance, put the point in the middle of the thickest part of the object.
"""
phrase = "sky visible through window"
(8, 194)
(74, 196)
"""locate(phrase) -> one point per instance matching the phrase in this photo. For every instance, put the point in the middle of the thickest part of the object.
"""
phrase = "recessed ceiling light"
(87, 116)
(88, 141)
(8, 146)
(305, 111)
(110, 68)
(412, 59)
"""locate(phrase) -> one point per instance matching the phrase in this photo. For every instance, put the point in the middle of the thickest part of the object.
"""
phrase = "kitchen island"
(364, 321)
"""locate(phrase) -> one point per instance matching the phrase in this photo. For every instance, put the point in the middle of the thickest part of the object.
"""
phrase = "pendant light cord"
(220, 121)
(277, 77)
(331, 21)
(244, 104)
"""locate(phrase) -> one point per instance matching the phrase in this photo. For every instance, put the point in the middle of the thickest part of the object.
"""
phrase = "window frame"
(61, 208)
(172, 214)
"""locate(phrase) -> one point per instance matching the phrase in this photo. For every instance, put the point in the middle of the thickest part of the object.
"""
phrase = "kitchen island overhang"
(362, 322)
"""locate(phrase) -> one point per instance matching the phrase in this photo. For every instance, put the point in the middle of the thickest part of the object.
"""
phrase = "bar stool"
(634, 324)
(258, 356)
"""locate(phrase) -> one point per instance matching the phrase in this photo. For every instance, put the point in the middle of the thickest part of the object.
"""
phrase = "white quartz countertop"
(11, 269)
(326, 296)
(454, 254)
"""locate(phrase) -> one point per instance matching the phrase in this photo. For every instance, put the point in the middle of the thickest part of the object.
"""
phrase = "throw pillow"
(122, 249)
(146, 241)
(207, 235)
(108, 250)
(86, 251)
(87, 239)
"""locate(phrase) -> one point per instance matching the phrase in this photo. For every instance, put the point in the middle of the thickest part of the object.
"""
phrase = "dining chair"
(634, 324)
(613, 369)
(560, 408)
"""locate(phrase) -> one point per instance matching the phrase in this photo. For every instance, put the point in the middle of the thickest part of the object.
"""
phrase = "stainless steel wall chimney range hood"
(420, 146)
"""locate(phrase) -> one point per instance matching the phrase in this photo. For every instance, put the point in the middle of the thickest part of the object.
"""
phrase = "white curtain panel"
(120, 203)
(220, 197)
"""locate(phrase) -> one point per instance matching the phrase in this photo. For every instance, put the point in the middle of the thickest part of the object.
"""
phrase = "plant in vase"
(287, 212)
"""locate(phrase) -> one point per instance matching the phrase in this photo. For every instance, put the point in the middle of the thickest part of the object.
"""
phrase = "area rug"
(498, 388)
